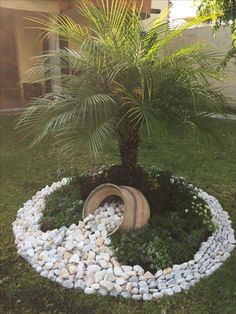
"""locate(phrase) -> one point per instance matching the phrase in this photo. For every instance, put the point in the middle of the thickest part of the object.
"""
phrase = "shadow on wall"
(221, 40)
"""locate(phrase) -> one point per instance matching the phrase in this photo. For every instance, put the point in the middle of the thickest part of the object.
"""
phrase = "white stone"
(104, 264)
(137, 297)
(129, 287)
(126, 294)
(107, 241)
(120, 281)
(157, 295)
(143, 290)
(185, 285)
(231, 239)
(107, 284)
(118, 271)
(95, 286)
(197, 257)
(64, 273)
(88, 290)
(138, 269)
(74, 259)
(48, 265)
(118, 288)
(99, 276)
(110, 277)
(93, 268)
(72, 269)
(177, 268)
(69, 246)
(147, 297)
(127, 268)
(168, 291)
(101, 227)
(148, 275)
(44, 273)
(176, 289)
(80, 284)
(68, 284)
(30, 252)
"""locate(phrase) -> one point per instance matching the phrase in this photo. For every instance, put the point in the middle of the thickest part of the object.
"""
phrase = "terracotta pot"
(137, 211)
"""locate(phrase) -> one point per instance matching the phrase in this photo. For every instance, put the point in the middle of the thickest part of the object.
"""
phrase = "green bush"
(143, 247)
(63, 207)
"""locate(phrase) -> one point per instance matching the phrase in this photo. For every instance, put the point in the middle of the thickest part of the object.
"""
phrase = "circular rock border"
(77, 258)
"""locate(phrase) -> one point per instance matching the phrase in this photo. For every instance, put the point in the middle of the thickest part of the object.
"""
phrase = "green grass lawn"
(25, 171)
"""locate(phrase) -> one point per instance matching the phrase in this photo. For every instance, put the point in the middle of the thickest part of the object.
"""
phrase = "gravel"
(80, 256)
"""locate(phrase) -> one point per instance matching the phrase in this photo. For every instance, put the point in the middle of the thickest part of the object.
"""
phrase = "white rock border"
(66, 255)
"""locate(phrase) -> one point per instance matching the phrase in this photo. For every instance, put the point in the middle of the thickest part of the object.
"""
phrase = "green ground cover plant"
(25, 171)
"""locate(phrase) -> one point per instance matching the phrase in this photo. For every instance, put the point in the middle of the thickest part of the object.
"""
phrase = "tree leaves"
(120, 77)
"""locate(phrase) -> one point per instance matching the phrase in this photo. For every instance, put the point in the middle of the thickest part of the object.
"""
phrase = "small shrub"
(143, 247)
(63, 207)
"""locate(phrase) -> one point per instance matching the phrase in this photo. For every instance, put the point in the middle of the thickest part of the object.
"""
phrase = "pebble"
(143, 290)
(148, 275)
(74, 259)
(93, 268)
(185, 285)
(80, 256)
(120, 281)
(125, 294)
(176, 289)
(88, 290)
(69, 246)
(68, 284)
(107, 284)
(147, 297)
(48, 265)
(104, 264)
(159, 273)
(118, 271)
(157, 295)
(30, 252)
(133, 279)
(197, 257)
(137, 297)
(80, 284)
(110, 277)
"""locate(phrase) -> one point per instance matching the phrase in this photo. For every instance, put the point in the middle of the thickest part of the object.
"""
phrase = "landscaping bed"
(179, 221)
(82, 257)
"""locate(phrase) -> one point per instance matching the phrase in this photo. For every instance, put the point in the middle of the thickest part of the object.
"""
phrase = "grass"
(25, 171)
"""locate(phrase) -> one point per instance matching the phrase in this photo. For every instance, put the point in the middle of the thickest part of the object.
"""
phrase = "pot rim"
(119, 190)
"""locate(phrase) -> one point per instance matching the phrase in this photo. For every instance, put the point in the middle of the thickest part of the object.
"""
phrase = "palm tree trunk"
(128, 148)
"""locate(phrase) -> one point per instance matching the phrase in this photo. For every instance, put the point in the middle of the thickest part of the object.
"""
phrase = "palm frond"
(120, 77)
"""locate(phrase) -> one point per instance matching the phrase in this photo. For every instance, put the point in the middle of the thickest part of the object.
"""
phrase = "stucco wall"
(221, 41)
(47, 6)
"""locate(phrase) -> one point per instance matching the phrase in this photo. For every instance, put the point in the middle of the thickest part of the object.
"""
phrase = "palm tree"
(121, 81)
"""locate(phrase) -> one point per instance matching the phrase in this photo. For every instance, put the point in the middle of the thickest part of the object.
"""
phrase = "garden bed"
(179, 221)
(60, 256)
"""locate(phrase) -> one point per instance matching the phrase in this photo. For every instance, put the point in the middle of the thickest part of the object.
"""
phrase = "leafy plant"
(142, 247)
(223, 14)
(122, 81)
(63, 207)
